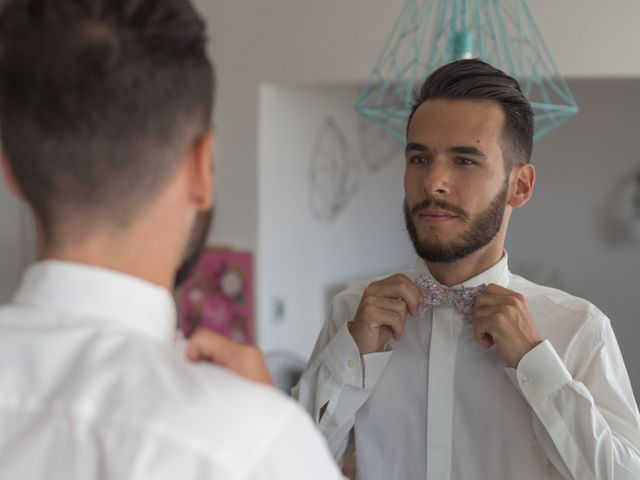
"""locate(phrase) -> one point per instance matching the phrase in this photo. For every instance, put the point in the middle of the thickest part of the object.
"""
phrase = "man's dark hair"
(477, 80)
(99, 101)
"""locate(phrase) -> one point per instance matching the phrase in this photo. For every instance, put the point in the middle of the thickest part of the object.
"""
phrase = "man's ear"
(10, 178)
(202, 177)
(523, 179)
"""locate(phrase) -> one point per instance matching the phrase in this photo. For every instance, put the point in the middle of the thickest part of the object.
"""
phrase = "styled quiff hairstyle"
(476, 80)
(99, 101)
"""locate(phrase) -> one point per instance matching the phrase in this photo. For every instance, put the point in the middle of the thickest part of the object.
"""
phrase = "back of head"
(98, 101)
(476, 80)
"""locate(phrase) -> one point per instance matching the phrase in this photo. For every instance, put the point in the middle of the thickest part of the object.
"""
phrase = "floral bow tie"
(435, 295)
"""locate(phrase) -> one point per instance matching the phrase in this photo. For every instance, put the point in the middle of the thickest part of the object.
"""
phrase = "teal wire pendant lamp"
(432, 33)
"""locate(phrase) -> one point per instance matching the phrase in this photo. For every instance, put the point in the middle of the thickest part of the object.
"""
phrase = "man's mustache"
(430, 202)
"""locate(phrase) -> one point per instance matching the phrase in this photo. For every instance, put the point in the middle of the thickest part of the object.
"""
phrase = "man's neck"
(133, 255)
(450, 274)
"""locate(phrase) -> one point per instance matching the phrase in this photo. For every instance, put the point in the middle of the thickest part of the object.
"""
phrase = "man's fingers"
(392, 320)
(392, 304)
(484, 299)
(485, 341)
(494, 295)
(398, 287)
(207, 345)
(485, 325)
(241, 359)
(499, 296)
(484, 335)
(390, 312)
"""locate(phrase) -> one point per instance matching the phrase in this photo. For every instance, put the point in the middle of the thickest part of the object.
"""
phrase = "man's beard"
(482, 229)
(195, 246)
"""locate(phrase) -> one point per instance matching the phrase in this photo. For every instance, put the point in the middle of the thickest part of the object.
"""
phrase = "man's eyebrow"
(417, 147)
(468, 150)
(460, 149)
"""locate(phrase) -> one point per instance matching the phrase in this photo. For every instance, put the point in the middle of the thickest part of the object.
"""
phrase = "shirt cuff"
(342, 357)
(540, 373)
(373, 365)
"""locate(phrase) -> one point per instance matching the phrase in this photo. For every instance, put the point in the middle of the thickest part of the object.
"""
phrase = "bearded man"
(459, 368)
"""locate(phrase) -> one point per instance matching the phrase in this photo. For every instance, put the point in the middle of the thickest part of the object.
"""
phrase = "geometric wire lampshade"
(432, 33)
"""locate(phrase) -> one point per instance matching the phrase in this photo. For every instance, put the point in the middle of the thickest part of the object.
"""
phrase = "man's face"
(456, 184)
(197, 240)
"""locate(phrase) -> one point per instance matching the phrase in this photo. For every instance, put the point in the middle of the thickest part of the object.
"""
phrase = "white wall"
(302, 261)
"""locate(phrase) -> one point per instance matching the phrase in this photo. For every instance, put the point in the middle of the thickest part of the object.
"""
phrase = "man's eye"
(464, 161)
(419, 160)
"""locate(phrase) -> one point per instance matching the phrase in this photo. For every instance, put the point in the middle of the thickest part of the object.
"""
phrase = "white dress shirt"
(91, 387)
(436, 405)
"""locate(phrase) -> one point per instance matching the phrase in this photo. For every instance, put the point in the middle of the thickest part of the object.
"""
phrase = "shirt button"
(350, 363)
(525, 380)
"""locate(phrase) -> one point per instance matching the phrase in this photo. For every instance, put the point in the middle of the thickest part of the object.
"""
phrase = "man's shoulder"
(208, 411)
(202, 394)
(553, 305)
(242, 423)
(555, 296)
(122, 384)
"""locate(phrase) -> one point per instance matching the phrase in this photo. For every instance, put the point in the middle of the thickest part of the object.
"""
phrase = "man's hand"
(382, 312)
(245, 360)
(501, 317)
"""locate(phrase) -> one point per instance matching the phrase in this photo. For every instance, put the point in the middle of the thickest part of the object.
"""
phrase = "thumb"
(210, 346)
(485, 340)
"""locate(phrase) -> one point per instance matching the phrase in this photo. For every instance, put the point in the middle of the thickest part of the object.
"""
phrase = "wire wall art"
(337, 170)
(619, 217)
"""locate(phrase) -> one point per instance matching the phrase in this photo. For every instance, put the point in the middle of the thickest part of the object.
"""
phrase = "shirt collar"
(498, 274)
(97, 294)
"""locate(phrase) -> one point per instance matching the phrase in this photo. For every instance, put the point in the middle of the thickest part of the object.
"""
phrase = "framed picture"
(219, 295)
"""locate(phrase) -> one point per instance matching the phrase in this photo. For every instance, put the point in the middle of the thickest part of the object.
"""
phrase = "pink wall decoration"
(219, 295)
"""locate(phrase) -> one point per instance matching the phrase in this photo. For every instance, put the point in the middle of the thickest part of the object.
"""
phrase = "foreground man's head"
(106, 110)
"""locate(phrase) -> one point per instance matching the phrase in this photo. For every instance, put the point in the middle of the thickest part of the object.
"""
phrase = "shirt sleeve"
(295, 451)
(338, 378)
(586, 418)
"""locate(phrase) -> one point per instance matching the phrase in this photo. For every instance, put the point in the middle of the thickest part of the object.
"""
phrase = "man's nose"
(437, 181)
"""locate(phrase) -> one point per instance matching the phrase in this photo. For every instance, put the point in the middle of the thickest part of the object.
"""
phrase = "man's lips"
(436, 216)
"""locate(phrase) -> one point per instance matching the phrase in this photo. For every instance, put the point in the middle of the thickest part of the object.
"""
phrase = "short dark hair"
(476, 80)
(99, 100)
